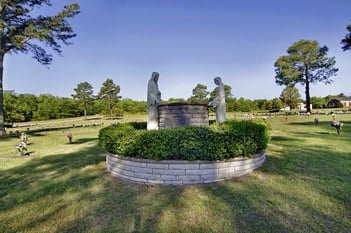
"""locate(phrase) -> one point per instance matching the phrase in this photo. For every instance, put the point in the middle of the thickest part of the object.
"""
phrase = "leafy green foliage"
(84, 93)
(47, 107)
(218, 142)
(21, 30)
(108, 95)
(27, 107)
(11, 108)
(306, 63)
(175, 100)
(346, 42)
(290, 96)
(131, 106)
(318, 102)
(227, 92)
(200, 94)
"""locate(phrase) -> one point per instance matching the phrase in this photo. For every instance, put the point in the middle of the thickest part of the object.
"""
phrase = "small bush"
(217, 142)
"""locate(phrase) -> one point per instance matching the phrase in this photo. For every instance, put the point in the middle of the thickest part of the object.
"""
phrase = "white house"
(302, 107)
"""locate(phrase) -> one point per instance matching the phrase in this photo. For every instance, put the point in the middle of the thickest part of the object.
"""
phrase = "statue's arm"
(153, 100)
(214, 102)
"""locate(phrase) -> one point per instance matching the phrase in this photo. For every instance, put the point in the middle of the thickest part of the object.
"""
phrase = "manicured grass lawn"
(304, 186)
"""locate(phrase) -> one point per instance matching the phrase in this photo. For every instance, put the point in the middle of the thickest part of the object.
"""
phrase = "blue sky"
(187, 42)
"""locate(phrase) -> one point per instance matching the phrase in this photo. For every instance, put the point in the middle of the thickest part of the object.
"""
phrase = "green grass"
(304, 186)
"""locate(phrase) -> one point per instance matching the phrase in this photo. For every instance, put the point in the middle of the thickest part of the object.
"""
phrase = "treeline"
(28, 107)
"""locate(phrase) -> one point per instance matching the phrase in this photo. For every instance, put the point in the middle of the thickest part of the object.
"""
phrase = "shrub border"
(215, 143)
(180, 172)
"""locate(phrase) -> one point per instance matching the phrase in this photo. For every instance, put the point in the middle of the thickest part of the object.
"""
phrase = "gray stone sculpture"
(219, 101)
(153, 100)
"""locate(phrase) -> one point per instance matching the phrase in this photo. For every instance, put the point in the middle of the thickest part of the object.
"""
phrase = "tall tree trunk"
(308, 98)
(2, 116)
(85, 108)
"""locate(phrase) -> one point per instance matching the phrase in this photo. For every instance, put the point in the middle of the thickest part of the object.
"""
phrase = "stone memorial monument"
(153, 100)
(219, 101)
(180, 114)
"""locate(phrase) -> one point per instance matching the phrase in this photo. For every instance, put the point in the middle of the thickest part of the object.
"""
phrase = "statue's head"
(154, 76)
(218, 81)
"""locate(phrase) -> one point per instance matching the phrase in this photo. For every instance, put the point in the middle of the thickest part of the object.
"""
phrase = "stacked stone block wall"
(180, 172)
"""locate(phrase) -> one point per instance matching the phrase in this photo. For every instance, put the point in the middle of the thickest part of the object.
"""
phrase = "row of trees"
(28, 107)
(107, 96)
(289, 97)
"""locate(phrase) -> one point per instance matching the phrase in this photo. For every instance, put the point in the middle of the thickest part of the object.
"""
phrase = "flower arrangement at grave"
(24, 137)
(22, 146)
(337, 125)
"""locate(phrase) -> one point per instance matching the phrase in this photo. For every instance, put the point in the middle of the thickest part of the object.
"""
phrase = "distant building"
(286, 108)
(302, 107)
(339, 102)
(9, 91)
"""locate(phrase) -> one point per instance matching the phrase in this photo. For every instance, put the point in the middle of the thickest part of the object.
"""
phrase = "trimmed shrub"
(217, 142)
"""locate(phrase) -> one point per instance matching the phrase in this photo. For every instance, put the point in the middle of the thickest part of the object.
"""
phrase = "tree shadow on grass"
(309, 179)
(36, 132)
(81, 140)
(285, 139)
(299, 188)
(248, 204)
(320, 123)
(323, 127)
(326, 170)
(326, 131)
(54, 165)
(73, 192)
(9, 137)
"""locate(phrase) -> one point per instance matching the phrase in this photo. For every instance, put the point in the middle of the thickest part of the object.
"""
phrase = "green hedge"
(217, 142)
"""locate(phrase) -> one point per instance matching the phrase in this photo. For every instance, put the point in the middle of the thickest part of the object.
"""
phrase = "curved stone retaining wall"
(178, 172)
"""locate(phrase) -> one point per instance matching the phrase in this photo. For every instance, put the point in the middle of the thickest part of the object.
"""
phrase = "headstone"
(70, 137)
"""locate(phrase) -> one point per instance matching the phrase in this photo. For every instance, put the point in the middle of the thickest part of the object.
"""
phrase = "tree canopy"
(346, 41)
(290, 97)
(227, 92)
(84, 93)
(200, 94)
(306, 63)
(21, 30)
(109, 94)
